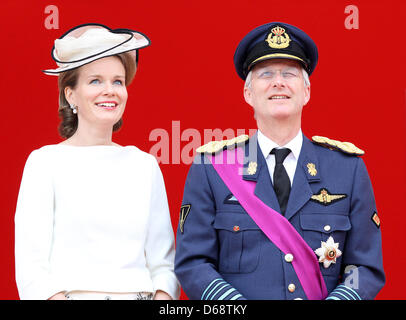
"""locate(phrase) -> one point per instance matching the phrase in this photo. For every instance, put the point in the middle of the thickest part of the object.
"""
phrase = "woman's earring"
(74, 109)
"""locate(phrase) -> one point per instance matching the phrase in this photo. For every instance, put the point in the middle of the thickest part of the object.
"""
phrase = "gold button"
(327, 228)
(291, 287)
(289, 257)
(236, 228)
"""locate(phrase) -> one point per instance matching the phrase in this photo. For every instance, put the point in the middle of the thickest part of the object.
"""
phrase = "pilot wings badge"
(325, 198)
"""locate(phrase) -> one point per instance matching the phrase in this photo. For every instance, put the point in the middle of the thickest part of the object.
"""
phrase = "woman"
(92, 218)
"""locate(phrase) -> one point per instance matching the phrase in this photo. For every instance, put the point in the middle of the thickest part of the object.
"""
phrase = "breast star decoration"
(328, 252)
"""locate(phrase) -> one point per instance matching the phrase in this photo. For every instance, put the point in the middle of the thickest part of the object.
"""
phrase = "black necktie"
(281, 182)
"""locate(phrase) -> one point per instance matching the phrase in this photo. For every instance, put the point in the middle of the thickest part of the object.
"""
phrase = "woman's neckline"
(90, 146)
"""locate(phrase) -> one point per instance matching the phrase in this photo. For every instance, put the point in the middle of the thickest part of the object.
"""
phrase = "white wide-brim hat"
(92, 41)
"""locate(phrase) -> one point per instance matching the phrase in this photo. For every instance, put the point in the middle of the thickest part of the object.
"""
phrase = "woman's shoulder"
(41, 158)
(139, 154)
(53, 151)
(43, 151)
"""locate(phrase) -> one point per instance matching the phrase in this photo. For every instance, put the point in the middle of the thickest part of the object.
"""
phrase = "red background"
(187, 75)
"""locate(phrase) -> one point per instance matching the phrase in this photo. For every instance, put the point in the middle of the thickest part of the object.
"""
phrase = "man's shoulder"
(327, 147)
(334, 158)
(214, 147)
(345, 147)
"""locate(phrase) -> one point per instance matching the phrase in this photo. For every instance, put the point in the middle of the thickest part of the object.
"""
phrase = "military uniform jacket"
(222, 254)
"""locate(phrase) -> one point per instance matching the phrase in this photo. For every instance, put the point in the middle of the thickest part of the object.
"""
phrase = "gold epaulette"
(216, 146)
(346, 147)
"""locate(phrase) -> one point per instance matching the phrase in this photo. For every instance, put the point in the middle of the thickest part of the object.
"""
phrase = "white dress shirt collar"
(266, 144)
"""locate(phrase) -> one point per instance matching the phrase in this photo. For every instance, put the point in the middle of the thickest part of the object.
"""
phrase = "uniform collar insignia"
(253, 160)
(308, 160)
(311, 169)
(252, 168)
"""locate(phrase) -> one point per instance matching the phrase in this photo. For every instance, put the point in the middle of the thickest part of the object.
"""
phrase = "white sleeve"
(160, 244)
(34, 230)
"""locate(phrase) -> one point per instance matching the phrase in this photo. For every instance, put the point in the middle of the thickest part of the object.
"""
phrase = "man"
(295, 218)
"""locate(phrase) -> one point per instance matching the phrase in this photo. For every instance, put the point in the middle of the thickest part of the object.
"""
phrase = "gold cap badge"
(278, 38)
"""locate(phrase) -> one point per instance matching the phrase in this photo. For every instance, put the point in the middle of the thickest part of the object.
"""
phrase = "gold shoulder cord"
(346, 147)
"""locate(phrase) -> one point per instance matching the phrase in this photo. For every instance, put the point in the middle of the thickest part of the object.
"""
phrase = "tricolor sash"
(276, 227)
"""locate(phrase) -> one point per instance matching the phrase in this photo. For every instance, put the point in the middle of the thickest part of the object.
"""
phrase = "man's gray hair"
(249, 78)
